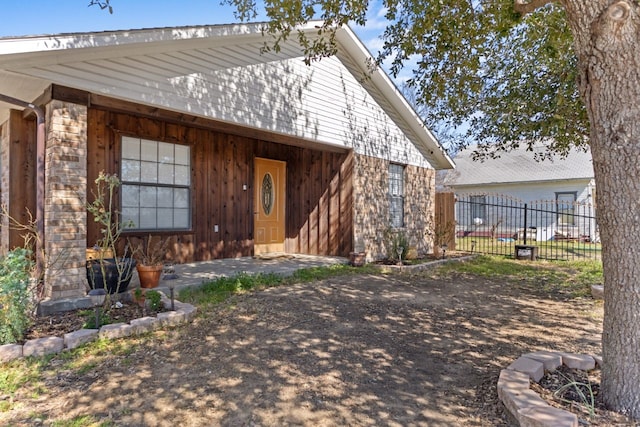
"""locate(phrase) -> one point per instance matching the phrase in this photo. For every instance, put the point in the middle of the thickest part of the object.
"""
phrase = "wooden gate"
(445, 220)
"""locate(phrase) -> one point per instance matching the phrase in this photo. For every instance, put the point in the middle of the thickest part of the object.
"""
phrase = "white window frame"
(565, 206)
(478, 205)
(396, 195)
(155, 194)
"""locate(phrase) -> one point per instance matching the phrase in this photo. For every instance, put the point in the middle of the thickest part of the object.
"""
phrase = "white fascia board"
(58, 42)
(517, 183)
(34, 51)
(361, 56)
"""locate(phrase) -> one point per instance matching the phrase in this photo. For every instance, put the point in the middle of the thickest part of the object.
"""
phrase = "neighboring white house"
(562, 189)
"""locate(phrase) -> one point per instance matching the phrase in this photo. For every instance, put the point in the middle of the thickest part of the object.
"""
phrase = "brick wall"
(371, 206)
(65, 216)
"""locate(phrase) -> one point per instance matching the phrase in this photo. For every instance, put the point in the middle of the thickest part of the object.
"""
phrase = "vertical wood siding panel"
(98, 141)
(215, 201)
(323, 226)
(200, 146)
(346, 205)
(334, 205)
(297, 198)
(22, 173)
(315, 184)
(305, 203)
(226, 225)
(245, 214)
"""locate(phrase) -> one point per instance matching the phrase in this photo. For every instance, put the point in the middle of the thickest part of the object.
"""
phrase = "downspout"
(40, 118)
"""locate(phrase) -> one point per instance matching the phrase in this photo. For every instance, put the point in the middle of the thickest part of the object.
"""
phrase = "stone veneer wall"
(371, 206)
(65, 217)
(4, 189)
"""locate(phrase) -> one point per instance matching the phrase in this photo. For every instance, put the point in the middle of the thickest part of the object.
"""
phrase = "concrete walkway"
(197, 273)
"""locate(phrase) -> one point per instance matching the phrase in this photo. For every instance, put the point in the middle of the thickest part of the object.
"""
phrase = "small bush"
(15, 298)
(155, 300)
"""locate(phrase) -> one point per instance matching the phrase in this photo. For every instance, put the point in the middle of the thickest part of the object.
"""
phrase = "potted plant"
(150, 255)
(105, 267)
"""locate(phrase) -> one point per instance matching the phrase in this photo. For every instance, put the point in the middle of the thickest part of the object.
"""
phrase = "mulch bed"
(62, 323)
(571, 389)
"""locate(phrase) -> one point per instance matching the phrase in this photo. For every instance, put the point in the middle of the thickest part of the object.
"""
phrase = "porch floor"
(197, 273)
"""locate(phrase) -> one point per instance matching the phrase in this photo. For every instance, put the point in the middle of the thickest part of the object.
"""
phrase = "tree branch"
(524, 7)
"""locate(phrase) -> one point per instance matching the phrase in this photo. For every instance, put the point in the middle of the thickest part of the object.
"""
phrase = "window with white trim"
(396, 195)
(478, 209)
(156, 185)
(565, 205)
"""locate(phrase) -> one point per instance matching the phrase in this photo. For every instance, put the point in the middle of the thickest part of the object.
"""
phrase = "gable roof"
(518, 166)
(218, 72)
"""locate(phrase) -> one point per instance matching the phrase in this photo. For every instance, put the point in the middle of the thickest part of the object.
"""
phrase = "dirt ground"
(367, 350)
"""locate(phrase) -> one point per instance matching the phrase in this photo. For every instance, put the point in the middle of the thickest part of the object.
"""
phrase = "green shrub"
(15, 298)
(155, 300)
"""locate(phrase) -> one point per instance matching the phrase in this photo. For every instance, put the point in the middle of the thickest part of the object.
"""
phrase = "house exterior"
(226, 150)
(560, 193)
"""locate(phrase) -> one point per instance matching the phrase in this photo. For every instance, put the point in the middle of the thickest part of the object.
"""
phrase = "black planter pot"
(112, 280)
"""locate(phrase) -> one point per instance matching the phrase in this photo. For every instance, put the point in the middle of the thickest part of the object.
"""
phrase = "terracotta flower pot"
(357, 259)
(149, 275)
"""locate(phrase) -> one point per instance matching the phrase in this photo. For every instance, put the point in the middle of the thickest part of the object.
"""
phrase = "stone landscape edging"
(51, 345)
(422, 266)
(525, 405)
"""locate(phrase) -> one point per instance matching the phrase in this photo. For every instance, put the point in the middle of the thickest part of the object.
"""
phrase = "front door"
(269, 203)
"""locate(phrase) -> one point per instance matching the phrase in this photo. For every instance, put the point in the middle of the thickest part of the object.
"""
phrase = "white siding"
(529, 192)
(323, 102)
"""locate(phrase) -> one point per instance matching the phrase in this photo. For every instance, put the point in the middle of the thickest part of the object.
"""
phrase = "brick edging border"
(422, 266)
(525, 405)
(51, 345)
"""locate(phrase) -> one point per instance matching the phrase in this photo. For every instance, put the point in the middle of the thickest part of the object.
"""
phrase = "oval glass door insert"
(268, 194)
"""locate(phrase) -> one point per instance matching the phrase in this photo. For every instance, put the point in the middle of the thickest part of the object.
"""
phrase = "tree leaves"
(479, 64)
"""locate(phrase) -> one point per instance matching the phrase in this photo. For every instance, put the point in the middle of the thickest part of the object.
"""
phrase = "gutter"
(40, 148)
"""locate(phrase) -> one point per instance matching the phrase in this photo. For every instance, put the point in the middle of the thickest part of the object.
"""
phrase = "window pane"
(182, 175)
(148, 218)
(182, 155)
(165, 218)
(396, 199)
(130, 170)
(149, 172)
(181, 218)
(130, 148)
(149, 150)
(129, 217)
(144, 165)
(165, 197)
(181, 198)
(165, 173)
(148, 197)
(565, 206)
(165, 153)
(130, 196)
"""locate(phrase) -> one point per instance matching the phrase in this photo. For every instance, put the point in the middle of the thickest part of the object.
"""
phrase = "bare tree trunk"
(607, 44)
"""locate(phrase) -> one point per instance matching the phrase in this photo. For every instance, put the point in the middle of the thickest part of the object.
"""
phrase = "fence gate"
(559, 229)
(445, 220)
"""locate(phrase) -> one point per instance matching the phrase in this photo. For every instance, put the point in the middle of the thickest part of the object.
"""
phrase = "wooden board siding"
(318, 204)
(22, 173)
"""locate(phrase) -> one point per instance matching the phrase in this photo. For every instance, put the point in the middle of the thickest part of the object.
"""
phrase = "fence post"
(525, 223)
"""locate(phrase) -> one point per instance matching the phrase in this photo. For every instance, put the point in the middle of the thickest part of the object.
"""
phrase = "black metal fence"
(556, 229)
